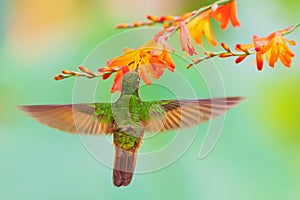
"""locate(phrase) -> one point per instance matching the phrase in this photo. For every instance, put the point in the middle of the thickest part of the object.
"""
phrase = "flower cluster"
(200, 25)
(195, 24)
(151, 59)
(274, 47)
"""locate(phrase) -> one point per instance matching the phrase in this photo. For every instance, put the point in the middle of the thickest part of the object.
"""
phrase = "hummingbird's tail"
(124, 165)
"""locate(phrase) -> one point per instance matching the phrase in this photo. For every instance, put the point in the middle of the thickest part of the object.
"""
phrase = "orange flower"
(226, 13)
(185, 40)
(274, 46)
(150, 58)
(199, 26)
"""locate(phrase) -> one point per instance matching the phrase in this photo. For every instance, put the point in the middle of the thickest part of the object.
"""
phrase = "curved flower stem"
(210, 55)
(165, 19)
(224, 54)
(86, 73)
(291, 29)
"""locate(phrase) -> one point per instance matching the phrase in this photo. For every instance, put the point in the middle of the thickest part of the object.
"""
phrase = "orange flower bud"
(208, 53)
(149, 23)
(225, 55)
(101, 69)
(137, 24)
(86, 70)
(69, 72)
(166, 18)
(66, 72)
(167, 25)
(59, 77)
(123, 26)
(189, 65)
(240, 59)
(244, 47)
(225, 46)
(152, 18)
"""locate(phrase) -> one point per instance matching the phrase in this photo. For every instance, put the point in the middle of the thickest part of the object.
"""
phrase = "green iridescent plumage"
(128, 118)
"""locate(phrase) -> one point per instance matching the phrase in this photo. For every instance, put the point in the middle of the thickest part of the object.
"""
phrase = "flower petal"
(199, 26)
(285, 59)
(226, 13)
(240, 59)
(291, 42)
(143, 75)
(185, 40)
(273, 56)
(209, 34)
(259, 61)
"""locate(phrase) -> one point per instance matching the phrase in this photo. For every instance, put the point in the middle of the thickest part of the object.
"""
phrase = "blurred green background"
(256, 157)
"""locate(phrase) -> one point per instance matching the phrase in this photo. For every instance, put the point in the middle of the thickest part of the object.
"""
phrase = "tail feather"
(124, 165)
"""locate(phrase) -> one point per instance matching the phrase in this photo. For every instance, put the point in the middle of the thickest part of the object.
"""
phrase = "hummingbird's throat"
(130, 83)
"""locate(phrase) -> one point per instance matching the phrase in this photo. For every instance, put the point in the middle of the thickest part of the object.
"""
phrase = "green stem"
(202, 9)
(292, 29)
(234, 54)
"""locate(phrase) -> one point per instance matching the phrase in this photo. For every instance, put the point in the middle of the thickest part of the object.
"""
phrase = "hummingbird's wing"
(93, 118)
(174, 114)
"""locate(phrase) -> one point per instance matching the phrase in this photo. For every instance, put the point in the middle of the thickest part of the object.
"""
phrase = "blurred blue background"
(256, 157)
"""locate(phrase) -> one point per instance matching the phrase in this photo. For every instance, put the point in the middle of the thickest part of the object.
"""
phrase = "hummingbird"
(127, 119)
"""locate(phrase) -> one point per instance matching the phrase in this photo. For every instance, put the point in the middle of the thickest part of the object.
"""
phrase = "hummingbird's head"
(130, 84)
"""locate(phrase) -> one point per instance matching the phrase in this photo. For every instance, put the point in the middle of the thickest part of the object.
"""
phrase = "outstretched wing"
(74, 118)
(174, 114)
